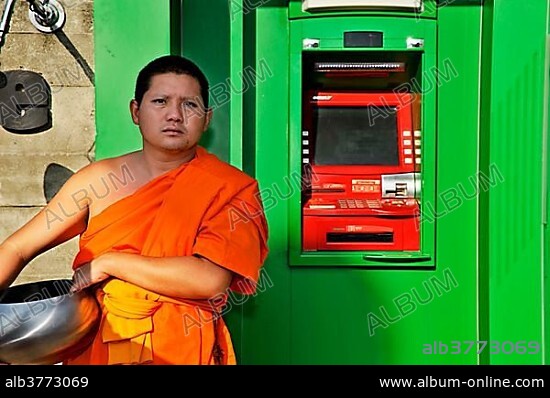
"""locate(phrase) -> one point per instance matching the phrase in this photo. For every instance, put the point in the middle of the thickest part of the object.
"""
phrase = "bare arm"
(184, 277)
(62, 219)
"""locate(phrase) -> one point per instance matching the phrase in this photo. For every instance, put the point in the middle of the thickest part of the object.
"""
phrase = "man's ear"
(207, 119)
(134, 111)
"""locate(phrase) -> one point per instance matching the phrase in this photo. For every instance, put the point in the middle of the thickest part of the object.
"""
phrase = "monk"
(165, 232)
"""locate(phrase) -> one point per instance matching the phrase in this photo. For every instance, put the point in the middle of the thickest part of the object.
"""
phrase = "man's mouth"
(172, 130)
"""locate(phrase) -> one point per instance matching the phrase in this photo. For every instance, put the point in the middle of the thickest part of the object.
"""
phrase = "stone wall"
(66, 61)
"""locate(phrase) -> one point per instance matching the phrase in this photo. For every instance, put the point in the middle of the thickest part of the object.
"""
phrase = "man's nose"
(175, 112)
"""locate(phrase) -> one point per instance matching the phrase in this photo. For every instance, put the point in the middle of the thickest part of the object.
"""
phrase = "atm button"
(374, 204)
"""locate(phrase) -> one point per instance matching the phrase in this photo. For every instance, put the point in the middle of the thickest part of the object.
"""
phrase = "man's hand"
(89, 274)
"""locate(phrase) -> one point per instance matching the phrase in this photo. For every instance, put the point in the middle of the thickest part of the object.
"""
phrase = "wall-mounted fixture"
(47, 16)
(25, 102)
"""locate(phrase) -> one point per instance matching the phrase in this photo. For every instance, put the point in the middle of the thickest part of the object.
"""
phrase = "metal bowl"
(44, 323)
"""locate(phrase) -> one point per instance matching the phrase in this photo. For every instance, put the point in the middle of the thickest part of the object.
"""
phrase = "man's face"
(171, 116)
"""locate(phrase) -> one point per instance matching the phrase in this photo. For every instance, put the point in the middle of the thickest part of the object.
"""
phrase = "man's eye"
(159, 101)
(190, 104)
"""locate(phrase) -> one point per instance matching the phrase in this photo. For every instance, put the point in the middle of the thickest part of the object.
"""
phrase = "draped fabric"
(204, 207)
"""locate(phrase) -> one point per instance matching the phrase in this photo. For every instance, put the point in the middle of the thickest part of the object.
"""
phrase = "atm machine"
(362, 156)
(366, 126)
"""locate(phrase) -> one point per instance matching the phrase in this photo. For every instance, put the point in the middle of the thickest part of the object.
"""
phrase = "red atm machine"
(362, 155)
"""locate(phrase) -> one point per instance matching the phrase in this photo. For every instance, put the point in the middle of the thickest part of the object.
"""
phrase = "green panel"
(484, 159)
(198, 20)
(252, 64)
(267, 327)
(546, 190)
(459, 41)
(515, 224)
(122, 47)
(347, 316)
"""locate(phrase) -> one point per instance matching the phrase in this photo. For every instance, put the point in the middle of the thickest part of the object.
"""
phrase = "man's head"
(170, 106)
(170, 64)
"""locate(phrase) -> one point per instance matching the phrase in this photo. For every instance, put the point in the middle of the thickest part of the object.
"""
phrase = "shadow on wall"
(55, 177)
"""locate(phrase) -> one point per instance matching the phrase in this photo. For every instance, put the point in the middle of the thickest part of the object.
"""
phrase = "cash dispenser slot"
(361, 237)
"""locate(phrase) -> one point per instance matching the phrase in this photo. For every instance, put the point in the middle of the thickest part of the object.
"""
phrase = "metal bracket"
(46, 15)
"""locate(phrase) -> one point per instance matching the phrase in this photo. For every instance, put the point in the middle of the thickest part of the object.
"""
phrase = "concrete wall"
(69, 142)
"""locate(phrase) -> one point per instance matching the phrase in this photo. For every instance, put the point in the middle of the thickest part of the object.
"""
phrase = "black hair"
(170, 64)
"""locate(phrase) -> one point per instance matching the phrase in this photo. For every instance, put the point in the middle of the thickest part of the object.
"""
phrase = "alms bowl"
(44, 323)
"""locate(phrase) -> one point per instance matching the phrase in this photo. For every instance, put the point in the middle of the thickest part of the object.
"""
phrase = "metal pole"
(8, 6)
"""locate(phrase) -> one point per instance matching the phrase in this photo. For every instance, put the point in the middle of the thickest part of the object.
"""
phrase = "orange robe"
(205, 207)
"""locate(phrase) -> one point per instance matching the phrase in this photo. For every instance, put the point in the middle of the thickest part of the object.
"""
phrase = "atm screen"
(364, 135)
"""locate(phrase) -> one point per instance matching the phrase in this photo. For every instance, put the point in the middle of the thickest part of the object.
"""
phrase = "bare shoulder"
(103, 182)
(116, 167)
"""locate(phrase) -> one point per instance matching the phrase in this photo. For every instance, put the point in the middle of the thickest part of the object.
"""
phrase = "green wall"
(206, 41)
(514, 142)
(124, 43)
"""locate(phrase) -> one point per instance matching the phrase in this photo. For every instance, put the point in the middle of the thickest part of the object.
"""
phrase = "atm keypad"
(359, 204)
(354, 204)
